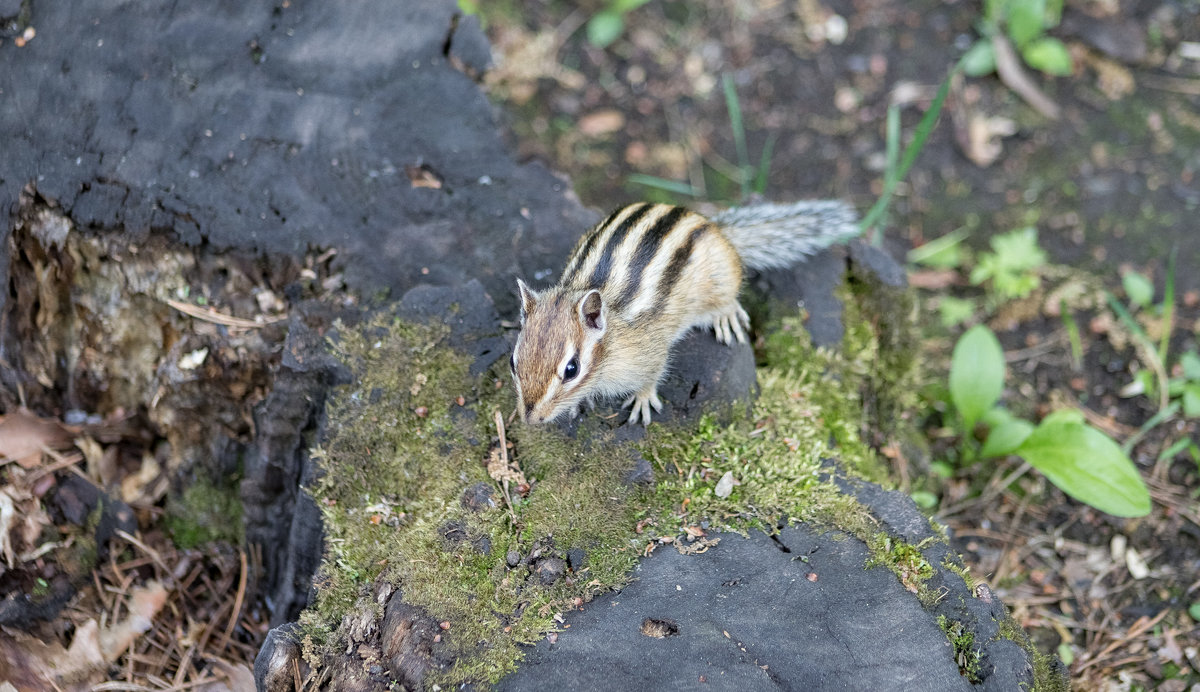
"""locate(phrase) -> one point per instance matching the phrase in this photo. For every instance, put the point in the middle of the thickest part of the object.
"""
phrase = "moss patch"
(966, 654)
(415, 430)
(205, 512)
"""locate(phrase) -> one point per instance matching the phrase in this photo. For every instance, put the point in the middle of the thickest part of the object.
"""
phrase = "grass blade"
(1168, 308)
(734, 106)
(674, 186)
(1145, 346)
(924, 128)
(764, 165)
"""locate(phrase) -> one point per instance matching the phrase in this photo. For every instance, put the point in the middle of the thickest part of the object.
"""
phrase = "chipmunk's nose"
(527, 414)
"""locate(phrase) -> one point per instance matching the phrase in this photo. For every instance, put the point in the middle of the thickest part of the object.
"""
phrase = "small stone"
(642, 472)
(478, 497)
(444, 624)
(512, 559)
(576, 559)
(550, 570)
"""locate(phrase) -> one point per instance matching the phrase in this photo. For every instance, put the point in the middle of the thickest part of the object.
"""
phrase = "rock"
(278, 659)
(642, 472)
(549, 570)
(576, 559)
(408, 640)
(478, 497)
(512, 558)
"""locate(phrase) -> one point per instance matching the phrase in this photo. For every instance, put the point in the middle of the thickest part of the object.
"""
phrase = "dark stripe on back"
(647, 248)
(679, 260)
(585, 246)
(604, 265)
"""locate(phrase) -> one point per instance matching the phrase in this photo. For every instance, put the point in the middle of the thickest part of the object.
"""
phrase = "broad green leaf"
(1138, 288)
(1194, 611)
(1053, 14)
(976, 373)
(1005, 438)
(1049, 55)
(997, 416)
(1087, 465)
(980, 59)
(1190, 362)
(1025, 20)
(604, 28)
(1191, 400)
(1063, 415)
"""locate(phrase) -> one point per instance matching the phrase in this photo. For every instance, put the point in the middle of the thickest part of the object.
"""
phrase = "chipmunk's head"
(558, 350)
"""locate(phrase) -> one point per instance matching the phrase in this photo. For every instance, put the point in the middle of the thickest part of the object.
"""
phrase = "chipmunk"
(637, 282)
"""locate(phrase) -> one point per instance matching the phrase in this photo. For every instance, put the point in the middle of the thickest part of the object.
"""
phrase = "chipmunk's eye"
(571, 369)
(512, 363)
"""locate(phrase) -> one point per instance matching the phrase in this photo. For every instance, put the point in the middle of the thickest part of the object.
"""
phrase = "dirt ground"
(1109, 185)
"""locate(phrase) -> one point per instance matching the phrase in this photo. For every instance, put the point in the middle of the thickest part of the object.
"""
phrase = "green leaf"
(1049, 55)
(1138, 288)
(997, 416)
(1004, 439)
(1194, 611)
(1190, 362)
(945, 252)
(1025, 20)
(994, 11)
(1063, 415)
(976, 373)
(623, 6)
(1066, 654)
(1087, 465)
(980, 59)
(1053, 14)
(1191, 400)
(604, 28)
(954, 311)
(924, 499)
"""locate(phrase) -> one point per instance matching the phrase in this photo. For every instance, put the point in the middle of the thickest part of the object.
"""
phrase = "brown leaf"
(423, 176)
(602, 122)
(23, 436)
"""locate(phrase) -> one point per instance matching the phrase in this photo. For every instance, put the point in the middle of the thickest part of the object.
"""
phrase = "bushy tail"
(772, 236)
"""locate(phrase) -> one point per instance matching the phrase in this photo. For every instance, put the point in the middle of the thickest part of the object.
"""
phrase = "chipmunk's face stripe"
(647, 247)
(613, 236)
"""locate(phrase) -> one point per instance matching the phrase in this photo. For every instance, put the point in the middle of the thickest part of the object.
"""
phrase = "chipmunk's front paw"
(732, 325)
(642, 403)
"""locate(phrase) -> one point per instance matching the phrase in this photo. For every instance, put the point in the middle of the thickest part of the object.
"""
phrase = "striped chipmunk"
(637, 282)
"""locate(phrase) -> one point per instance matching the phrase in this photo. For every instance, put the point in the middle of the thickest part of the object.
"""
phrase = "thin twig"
(504, 459)
(1008, 66)
(211, 315)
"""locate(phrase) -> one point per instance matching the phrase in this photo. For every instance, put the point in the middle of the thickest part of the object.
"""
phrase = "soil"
(1110, 186)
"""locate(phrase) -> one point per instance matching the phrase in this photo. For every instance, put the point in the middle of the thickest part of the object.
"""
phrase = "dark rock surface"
(750, 618)
(278, 129)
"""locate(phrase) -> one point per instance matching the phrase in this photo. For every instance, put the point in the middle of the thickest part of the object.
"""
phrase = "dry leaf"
(23, 436)
(423, 176)
(500, 471)
(725, 485)
(601, 122)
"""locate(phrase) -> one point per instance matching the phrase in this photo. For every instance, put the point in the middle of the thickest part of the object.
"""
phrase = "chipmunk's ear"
(592, 312)
(528, 299)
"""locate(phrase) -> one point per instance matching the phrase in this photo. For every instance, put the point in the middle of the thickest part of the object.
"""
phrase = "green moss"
(966, 654)
(403, 450)
(904, 560)
(1047, 676)
(204, 512)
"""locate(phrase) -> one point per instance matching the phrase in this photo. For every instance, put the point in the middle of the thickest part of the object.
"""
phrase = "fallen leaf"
(601, 122)
(24, 435)
(725, 485)
(423, 176)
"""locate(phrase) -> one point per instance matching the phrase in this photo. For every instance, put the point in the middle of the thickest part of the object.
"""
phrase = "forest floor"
(702, 102)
